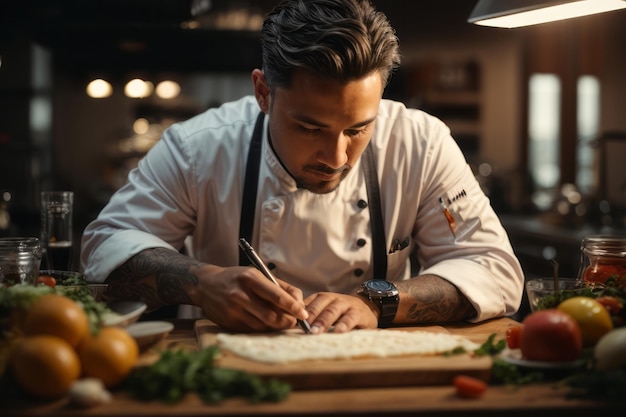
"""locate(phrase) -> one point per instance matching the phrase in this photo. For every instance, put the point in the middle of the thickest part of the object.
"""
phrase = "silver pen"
(260, 265)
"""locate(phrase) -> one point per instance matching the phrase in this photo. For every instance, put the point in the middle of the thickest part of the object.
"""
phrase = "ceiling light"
(99, 88)
(517, 13)
(168, 89)
(138, 88)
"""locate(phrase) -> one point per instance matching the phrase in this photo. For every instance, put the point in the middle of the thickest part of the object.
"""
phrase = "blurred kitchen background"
(540, 111)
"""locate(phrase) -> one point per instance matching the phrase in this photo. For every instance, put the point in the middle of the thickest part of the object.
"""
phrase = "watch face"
(381, 286)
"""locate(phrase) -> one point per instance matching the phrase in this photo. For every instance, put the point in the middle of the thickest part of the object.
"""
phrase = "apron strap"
(379, 243)
(250, 186)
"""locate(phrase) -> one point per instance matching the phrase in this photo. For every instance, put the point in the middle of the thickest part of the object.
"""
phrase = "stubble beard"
(322, 187)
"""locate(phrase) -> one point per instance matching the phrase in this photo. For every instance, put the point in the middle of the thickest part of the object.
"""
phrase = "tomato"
(468, 386)
(109, 356)
(612, 304)
(513, 336)
(46, 280)
(57, 315)
(550, 335)
(44, 366)
(594, 320)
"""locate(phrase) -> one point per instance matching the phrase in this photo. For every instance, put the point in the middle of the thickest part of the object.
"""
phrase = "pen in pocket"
(448, 215)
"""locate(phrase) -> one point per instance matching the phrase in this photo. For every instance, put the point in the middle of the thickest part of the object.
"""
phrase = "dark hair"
(337, 39)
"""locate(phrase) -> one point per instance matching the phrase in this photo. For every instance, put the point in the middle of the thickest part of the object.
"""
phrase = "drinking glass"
(56, 229)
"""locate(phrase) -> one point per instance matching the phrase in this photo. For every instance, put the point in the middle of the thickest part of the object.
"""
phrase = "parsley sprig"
(503, 372)
(178, 372)
(607, 386)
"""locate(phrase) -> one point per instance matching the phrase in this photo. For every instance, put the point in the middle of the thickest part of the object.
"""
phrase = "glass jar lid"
(604, 245)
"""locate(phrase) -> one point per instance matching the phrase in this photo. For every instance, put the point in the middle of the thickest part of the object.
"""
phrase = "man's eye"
(313, 131)
(355, 132)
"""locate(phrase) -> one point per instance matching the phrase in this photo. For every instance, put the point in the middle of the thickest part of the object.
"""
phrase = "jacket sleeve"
(458, 234)
(153, 209)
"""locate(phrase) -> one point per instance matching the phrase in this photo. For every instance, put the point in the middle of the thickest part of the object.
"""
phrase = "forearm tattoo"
(157, 276)
(435, 300)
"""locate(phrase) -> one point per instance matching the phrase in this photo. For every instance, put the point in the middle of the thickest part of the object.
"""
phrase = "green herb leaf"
(598, 385)
(506, 373)
(177, 373)
(490, 347)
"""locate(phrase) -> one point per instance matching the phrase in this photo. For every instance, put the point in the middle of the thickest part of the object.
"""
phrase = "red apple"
(550, 336)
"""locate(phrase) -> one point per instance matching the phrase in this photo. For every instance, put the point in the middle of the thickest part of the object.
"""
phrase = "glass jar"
(602, 257)
(20, 259)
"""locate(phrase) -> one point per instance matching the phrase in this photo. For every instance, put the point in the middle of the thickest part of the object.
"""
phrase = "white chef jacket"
(189, 187)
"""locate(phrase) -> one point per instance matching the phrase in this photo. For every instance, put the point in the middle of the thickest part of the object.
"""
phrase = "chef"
(333, 186)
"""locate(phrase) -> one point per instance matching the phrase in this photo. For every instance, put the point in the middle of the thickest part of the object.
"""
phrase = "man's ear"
(261, 90)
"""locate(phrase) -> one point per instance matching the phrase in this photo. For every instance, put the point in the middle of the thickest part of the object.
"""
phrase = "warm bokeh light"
(141, 126)
(192, 25)
(168, 89)
(99, 88)
(138, 88)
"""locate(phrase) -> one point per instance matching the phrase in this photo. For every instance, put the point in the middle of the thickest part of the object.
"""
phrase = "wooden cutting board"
(355, 373)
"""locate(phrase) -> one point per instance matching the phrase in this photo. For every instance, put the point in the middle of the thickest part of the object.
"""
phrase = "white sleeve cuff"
(477, 284)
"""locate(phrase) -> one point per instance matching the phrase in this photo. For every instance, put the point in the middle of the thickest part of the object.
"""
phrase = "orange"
(44, 366)
(592, 317)
(109, 356)
(57, 315)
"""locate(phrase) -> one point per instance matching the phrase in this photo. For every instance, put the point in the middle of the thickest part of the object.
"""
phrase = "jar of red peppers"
(603, 257)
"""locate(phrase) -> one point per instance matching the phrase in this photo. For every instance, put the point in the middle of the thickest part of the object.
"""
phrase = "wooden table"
(536, 399)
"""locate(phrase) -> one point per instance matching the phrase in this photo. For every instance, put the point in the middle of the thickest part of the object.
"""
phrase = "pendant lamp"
(517, 13)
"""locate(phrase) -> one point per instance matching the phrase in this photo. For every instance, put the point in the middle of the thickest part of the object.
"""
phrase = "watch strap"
(388, 309)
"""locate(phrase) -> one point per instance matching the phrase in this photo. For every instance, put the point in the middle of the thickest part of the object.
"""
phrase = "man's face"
(319, 128)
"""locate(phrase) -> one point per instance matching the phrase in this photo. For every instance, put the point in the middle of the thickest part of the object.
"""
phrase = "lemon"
(592, 317)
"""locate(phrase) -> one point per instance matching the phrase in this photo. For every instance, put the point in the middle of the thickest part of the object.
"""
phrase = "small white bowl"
(123, 312)
(149, 333)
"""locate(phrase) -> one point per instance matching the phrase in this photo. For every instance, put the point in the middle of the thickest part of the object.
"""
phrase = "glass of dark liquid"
(56, 229)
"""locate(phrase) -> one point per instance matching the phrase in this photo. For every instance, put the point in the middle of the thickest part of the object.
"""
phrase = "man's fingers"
(283, 297)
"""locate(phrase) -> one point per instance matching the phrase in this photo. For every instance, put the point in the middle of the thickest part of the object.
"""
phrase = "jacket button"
(361, 242)
(358, 272)
(271, 266)
(362, 204)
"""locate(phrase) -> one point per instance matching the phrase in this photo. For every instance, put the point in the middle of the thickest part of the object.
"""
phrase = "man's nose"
(334, 154)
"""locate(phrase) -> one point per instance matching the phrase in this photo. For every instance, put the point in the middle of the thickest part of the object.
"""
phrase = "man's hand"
(345, 312)
(243, 299)
(237, 298)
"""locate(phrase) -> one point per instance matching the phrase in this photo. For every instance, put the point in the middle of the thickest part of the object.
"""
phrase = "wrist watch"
(385, 295)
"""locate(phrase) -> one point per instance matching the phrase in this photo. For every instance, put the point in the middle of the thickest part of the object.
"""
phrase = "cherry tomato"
(46, 280)
(468, 386)
(550, 335)
(612, 304)
(513, 336)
